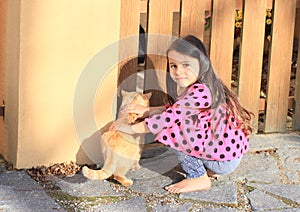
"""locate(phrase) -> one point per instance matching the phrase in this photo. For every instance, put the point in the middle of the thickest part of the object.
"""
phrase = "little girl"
(204, 120)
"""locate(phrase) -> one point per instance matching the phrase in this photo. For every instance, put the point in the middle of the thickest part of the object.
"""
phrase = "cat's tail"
(95, 174)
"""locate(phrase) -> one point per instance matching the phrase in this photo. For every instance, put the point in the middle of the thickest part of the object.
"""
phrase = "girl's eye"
(172, 66)
(185, 65)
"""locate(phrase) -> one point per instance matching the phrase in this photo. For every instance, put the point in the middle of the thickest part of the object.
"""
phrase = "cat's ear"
(124, 93)
(148, 95)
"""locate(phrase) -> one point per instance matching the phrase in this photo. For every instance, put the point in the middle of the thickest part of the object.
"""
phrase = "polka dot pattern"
(191, 126)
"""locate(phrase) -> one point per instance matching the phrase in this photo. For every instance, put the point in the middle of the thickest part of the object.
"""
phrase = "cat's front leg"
(136, 165)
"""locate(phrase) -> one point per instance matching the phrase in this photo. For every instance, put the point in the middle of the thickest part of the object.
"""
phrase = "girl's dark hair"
(193, 47)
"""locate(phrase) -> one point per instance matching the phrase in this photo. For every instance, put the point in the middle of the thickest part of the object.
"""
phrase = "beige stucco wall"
(57, 39)
(9, 66)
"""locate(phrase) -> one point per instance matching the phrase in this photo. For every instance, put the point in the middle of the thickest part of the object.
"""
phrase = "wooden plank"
(175, 7)
(144, 6)
(129, 31)
(297, 24)
(222, 37)
(251, 56)
(296, 121)
(3, 25)
(239, 4)
(291, 103)
(159, 37)
(280, 65)
(192, 18)
(128, 46)
(129, 24)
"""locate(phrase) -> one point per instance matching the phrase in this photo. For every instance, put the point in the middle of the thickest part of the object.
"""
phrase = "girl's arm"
(139, 128)
(141, 110)
(156, 110)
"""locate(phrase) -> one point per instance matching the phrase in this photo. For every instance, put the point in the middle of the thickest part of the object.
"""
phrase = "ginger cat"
(121, 151)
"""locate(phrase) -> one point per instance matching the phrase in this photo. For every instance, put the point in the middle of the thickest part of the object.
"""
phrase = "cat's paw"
(135, 167)
(86, 172)
(124, 180)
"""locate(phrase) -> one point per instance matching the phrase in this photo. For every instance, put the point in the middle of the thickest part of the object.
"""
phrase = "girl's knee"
(222, 167)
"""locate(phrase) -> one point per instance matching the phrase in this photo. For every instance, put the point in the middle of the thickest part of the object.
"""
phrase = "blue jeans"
(196, 167)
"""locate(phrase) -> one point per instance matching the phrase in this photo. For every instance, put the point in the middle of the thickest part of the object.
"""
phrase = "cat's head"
(134, 98)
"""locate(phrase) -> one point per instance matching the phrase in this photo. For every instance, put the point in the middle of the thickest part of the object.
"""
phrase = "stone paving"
(268, 179)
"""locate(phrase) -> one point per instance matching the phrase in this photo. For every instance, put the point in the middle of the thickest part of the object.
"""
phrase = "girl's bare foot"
(189, 185)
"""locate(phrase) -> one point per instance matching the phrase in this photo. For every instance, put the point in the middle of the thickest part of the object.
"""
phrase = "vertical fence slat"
(159, 23)
(144, 6)
(251, 56)
(128, 51)
(222, 34)
(160, 17)
(192, 18)
(129, 26)
(296, 122)
(280, 65)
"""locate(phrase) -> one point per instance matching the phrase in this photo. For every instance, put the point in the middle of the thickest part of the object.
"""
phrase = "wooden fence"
(258, 69)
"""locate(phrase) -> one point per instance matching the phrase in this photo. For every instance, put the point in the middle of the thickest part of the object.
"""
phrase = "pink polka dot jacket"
(191, 126)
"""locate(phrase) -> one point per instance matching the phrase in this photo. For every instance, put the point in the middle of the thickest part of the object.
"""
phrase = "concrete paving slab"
(263, 142)
(290, 192)
(13, 200)
(19, 180)
(259, 200)
(289, 163)
(152, 185)
(79, 186)
(271, 168)
(220, 192)
(174, 208)
(136, 204)
(18, 192)
(220, 210)
(288, 210)
(158, 164)
(287, 153)
(256, 168)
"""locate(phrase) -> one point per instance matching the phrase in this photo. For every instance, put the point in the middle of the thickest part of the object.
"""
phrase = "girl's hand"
(140, 110)
(126, 128)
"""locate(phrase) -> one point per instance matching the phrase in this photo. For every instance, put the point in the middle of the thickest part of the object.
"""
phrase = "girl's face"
(184, 70)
